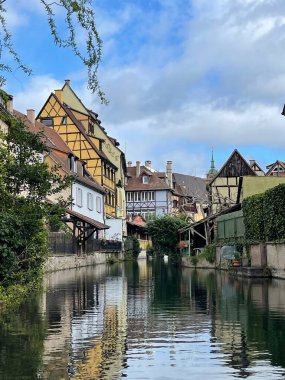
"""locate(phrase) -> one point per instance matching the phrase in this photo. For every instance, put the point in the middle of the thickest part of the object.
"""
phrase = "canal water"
(146, 320)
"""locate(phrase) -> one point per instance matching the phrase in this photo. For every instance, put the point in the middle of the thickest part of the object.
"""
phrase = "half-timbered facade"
(85, 214)
(108, 145)
(225, 188)
(277, 169)
(76, 134)
(146, 193)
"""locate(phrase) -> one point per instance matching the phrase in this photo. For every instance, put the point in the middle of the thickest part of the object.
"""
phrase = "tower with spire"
(212, 172)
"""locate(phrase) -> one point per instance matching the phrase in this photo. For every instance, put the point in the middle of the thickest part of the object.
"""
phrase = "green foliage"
(253, 212)
(209, 254)
(78, 18)
(274, 216)
(132, 247)
(194, 260)
(164, 234)
(25, 183)
(264, 216)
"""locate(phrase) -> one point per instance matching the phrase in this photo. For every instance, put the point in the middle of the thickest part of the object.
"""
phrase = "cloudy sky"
(182, 76)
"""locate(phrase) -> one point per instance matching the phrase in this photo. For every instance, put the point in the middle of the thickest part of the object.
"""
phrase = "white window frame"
(98, 205)
(137, 196)
(79, 197)
(90, 201)
(145, 179)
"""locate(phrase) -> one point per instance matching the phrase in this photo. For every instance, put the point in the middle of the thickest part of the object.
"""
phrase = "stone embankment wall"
(269, 255)
(268, 258)
(55, 263)
(202, 263)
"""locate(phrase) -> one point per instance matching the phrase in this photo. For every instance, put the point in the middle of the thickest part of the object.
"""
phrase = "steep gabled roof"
(235, 166)
(79, 125)
(187, 185)
(135, 183)
(52, 138)
(271, 167)
(53, 141)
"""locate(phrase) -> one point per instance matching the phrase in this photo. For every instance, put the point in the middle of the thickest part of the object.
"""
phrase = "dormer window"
(145, 179)
(91, 129)
(73, 164)
(47, 121)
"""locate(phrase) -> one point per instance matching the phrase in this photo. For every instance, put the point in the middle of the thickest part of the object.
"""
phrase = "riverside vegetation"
(26, 182)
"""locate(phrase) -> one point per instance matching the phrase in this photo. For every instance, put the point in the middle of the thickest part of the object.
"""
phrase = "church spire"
(212, 172)
(213, 169)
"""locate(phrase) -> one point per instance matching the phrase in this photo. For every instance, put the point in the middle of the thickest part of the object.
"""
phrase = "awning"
(92, 222)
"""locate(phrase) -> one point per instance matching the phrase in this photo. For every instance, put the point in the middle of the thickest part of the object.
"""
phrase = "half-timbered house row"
(74, 129)
(146, 193)
(225, 189)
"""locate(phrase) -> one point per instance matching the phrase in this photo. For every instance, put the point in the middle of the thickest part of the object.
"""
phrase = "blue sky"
(182, 76)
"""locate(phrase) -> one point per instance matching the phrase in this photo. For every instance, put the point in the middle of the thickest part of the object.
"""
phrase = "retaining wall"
(202, 263)
(55, 263)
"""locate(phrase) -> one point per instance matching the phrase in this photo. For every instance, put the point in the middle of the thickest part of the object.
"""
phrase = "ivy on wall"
(264, 215)
(253, 212)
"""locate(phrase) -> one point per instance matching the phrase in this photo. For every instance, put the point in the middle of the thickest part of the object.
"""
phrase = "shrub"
(164, 234)
(209, 253)
(132, 247)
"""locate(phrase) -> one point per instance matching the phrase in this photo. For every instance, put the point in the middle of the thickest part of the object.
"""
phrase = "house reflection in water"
(87, 325)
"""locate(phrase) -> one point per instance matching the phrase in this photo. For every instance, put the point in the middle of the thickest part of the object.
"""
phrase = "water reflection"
(146, 320)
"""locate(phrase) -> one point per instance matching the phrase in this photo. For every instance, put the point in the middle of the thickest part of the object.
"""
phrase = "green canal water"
(146, 320)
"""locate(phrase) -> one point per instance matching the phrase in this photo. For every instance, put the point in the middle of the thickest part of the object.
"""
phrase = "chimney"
(58, 94)
(10, 108)
(31, 116)
(67, 82)
(138, 168)
(148, 164)
(169, 173)
(129, 164)
(251, 163)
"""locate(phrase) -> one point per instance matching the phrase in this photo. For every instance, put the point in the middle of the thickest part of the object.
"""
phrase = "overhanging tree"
(25, 184)
(78, 16)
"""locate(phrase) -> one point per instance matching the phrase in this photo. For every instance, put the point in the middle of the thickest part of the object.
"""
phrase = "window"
(91, 129)
(78, 197)
(75, 165)
(47, 121)
(90, 201)
(130, 197)
(145, 179)
(144, 196)
(64, 120)
(137, 196)
(151, 195)
(147, 214)
(98, 205)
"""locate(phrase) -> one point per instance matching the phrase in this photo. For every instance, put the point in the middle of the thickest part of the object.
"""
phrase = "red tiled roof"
(135, 183)
(53, 140)
(137, 221)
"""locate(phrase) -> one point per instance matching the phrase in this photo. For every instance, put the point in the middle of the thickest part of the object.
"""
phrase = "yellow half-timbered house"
(76, 131)
(108, 145)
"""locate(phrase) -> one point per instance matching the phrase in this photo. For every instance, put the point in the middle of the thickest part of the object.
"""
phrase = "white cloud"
(193, 73)
(35, 93)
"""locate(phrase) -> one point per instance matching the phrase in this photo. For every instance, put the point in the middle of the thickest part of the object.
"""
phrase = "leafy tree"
(25, 184)
(132, 247)
(78, 14)
(164, 234)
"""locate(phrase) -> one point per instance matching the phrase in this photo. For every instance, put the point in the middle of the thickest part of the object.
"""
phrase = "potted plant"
(183, 244)
(236, 260)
